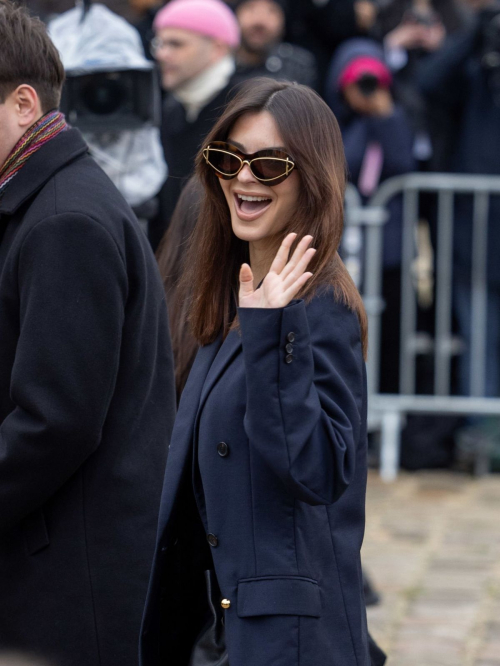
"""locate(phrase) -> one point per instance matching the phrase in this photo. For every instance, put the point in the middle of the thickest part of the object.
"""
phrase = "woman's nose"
(246, 175)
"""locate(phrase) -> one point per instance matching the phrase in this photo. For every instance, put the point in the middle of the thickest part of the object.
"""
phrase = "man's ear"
(27, 105)
(219, 50)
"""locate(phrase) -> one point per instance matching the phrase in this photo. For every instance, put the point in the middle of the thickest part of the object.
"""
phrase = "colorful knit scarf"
(45, 129)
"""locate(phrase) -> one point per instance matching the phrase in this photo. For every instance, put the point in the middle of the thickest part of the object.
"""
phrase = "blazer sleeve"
(305, 403)
(72, 292)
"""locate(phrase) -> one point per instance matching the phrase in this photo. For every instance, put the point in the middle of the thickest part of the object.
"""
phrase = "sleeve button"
(291, 337)
(289, 358)
(289, 348)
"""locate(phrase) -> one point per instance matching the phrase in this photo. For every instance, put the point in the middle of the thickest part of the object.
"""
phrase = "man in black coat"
(194, 46)
(86, 381)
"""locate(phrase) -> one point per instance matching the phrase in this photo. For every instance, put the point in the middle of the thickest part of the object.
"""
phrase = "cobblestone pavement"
(432, 549)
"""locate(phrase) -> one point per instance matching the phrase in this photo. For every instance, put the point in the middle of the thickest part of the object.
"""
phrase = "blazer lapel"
(202, 378)
(182, 434)
(227, 352)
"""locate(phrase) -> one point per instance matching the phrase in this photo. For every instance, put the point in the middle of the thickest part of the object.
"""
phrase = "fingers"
(299, 269)
(294, 289)
(297, 256)
(246, 281)
(281, 257)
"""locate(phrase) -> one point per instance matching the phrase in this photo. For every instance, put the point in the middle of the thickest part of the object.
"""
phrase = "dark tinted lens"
(224, 162)
(268, 168)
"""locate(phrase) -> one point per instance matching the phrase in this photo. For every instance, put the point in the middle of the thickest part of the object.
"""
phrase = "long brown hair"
(311, 135)
(171, 256)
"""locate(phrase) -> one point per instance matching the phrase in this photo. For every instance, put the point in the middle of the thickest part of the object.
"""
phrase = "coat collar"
(40, 168)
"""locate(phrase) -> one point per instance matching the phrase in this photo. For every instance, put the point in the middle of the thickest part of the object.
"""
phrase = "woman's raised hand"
(284, 280)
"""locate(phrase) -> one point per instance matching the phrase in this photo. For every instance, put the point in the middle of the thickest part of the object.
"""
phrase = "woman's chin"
(249, 231)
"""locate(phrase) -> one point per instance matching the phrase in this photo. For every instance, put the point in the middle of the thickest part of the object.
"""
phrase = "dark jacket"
(86, 408)
(320, 27)
(392, 133)
(285, 62)
(276, 420)
(454, 80)
(181, 141)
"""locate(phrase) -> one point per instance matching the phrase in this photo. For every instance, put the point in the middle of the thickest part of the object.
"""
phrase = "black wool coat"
(86, 409)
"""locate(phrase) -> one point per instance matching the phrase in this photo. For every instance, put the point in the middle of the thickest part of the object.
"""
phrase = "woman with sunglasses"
(262, 514)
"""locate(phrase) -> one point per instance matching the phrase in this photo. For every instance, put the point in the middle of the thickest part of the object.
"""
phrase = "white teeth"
(246, 198)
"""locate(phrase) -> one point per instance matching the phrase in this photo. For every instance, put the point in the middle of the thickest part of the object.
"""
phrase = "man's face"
(182, 55)
(10, 132)
(262, 24)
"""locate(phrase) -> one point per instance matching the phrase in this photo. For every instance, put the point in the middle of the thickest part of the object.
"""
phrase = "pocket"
(279, 595)
(36, 534)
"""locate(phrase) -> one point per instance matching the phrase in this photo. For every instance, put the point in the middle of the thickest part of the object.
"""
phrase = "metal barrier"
(386, 411)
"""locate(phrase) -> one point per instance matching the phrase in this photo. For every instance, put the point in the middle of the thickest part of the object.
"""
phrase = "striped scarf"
(45, 129)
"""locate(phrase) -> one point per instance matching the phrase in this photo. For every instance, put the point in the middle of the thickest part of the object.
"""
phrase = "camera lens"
(104, 95)
(367, 84)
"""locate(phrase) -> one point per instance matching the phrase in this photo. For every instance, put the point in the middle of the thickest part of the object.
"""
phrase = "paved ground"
(432, 548)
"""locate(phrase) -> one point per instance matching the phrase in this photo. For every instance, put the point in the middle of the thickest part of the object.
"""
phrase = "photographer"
(463, 79)
(378, 145)
(412, 30)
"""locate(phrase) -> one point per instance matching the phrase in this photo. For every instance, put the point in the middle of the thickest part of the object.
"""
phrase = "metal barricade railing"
(386, 411)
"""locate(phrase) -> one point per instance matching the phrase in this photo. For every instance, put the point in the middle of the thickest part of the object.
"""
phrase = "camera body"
(104, 99)
(368, 84)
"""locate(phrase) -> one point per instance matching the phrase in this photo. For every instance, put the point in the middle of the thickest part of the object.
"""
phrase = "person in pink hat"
(194, 46)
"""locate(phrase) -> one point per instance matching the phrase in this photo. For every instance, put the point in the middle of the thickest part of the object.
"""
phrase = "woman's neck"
(261, 257)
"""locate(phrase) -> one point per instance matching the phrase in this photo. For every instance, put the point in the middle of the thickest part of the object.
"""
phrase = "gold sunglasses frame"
(288, 162)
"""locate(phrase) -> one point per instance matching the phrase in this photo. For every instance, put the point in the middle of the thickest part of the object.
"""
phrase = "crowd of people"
(256, 555)
(414, 85)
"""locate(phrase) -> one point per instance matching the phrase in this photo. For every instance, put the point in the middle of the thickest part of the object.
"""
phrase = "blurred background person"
(194, 46)
(463, 79)
(263, 51)
(143, 13)
(95, 40)
(411, 31)
(321, 25)
(378, 145)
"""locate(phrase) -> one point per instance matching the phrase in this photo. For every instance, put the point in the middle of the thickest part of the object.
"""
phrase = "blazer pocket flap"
(35, 532)
(279, 596)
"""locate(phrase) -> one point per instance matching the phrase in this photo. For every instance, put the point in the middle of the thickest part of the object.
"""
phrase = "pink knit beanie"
(211, 18)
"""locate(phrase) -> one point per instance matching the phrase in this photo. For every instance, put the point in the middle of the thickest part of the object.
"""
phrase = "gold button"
(225, 603)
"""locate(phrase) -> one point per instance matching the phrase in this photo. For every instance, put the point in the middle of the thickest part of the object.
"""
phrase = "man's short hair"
(28, 56)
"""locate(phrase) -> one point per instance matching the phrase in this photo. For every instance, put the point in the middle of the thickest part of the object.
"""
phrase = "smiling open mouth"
(251, 206)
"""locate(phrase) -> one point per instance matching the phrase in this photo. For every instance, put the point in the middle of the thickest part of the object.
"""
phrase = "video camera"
(112, 94)
(111, 99)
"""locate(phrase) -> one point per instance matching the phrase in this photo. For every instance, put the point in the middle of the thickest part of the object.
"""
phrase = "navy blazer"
(275, 416)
